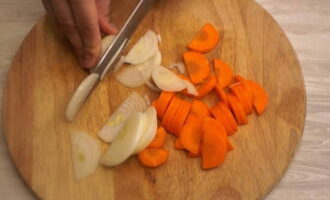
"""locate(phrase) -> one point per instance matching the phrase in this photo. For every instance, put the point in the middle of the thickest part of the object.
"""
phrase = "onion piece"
(133, 103)
(151, 85)
(126, 142)
(150, 130)
(135, 76)
(86, 153)
(180, 66)
(159, 37)
(106, 42)
(146, 98)
(191, 89)
(144, 49)
(119, 64)
(166, 80)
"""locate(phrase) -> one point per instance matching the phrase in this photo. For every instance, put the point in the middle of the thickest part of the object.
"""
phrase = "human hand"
(82, 21)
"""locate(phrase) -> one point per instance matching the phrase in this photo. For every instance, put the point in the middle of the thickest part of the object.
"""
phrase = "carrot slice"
(245, 84)
(178, 144)
(224, 72)
(230, 147)
(153, 157)
(205, 40)
(159, 139)
(229, 116)
(207, 86)
(221, 93)
(260, 97)
(237, 109)
(191, 133)
(197, 65)
(199, 108)
(243, 96)
(170, 112)
(194, 155)
(214, 143)
(218, 114)
(180, 118)
(162, 103)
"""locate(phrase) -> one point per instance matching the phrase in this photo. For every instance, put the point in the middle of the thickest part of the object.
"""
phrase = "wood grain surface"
(297, 182)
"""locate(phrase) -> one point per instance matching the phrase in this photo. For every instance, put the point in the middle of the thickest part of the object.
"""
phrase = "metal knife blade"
(111, 55)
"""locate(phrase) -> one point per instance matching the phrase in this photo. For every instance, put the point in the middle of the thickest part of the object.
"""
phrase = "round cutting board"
(45, 73)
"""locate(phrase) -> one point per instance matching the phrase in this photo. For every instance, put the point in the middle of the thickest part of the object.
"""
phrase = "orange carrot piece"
(153, 157)
(162, 103)
(170, 112)
(224, 72)
(246, 85)
(243, 97)
(205, 40)
(159, 139)
(191, 133)
(229, 116)
(194, 155)
(178, 144)
(237, 109)
(260, 97)
(197, 65)
(207, 86)
(180, 118)
(221, 93)
(219, 115)
(199, 108)
(214, 143)
(230, 147)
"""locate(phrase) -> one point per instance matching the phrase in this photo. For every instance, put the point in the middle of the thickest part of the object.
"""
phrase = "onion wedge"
(133, 103)
(125, 144)
(86, 153)
(166, 80)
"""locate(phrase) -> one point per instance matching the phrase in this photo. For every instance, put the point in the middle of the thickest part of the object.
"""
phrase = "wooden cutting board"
(45, 73)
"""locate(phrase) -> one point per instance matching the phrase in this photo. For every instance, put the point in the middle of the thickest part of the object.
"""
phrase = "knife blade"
(108, 60)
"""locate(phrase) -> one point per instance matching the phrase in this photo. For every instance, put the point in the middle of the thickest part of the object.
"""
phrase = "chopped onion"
(125, 144)
(180, 66)
(191, 88)
(135, 76)
(119, 64)
(151, 85)
(159, 38)
(133, 103)
(86, 153)
(166, 80)
(150, 130)
(144, 49)
(146, 98)
(106, 42)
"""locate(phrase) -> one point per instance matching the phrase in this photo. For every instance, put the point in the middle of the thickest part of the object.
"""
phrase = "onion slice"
(144, 49)
(150, 130)
(180, 66)
(126, 142)
(166, 80)
(86, 153)
(133, 103)
(191, 88)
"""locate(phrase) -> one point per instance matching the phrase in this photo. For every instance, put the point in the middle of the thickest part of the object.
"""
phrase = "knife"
(108, 60)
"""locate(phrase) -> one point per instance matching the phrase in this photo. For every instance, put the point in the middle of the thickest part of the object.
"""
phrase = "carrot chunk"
(260, 97)
(242, 95)
(178, 144)
(207, 86)
(237, 110)
(180, 117)
(221, 93)
(191, 133)
(170, 113)
(224, 73)
(229, 115)
(153, 157)
(159, 139)
(205, 40)
(162, 103)
(219, 115)
(197, 65)
(199, 108)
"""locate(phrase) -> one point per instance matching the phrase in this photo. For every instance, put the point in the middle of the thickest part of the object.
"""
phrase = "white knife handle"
(80, 95)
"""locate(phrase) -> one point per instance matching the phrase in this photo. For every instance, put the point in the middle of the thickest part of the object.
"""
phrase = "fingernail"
(88, 61)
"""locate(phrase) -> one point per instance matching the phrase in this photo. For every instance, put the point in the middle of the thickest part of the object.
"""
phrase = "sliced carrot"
(243, 96)
(237, 109)
(214, 143)
(245, 84)
(153, 157)
(207, 86)
(178, 144)
(170, 112)
(205, 40)
(159, 139)
(197, 65)
(180, 118)
(221, 93)
(199, 108)
(219, 115)
(162, 103)
(230, 147)
(229, 116)
(260, 97)
(224, 73)
(191, 133)
(194, 155)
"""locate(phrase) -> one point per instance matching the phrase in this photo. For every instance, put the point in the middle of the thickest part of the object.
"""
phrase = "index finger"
(86, 18)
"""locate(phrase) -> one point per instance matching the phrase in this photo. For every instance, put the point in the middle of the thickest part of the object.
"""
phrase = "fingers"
(62, 11)
(106, 27)
(86, 18)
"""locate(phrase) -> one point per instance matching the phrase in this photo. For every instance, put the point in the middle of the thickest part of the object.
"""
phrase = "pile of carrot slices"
(200, 130)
